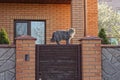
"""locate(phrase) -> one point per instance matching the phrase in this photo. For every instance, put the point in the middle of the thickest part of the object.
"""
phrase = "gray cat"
(63, 35)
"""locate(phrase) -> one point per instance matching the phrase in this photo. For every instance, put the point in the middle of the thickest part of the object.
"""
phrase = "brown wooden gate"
(58, 62)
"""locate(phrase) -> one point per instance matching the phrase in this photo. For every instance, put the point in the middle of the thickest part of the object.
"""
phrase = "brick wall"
(58, 17)
(91, 58)
(91, 18)
(78, 18)
(84, 18)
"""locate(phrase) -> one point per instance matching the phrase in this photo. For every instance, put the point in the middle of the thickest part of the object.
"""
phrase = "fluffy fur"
(63, 35)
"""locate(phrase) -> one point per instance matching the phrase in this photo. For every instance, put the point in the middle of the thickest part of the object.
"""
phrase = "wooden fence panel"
(58, 62)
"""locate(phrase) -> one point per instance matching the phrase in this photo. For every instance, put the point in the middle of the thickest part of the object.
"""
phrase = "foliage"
(4, 37)
(109, 19)
(102, 35)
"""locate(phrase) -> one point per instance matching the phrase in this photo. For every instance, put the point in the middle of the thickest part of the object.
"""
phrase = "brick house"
(47, 16)
(42, 17)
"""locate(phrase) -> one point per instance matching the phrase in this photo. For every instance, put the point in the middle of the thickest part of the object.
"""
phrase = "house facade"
(40, 18)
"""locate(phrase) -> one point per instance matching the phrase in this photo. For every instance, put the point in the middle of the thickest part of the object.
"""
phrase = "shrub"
(103, 36)
(4, 37)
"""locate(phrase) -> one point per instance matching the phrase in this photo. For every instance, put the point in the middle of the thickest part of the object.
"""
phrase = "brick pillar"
(25, 58)
(77, 10)
(91, 58)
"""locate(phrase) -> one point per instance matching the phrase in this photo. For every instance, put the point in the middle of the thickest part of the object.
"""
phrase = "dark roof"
(37, 1)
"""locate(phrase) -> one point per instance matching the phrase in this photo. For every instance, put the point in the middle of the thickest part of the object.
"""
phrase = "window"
(34, 28)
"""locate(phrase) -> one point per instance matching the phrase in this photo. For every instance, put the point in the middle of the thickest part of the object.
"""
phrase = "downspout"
(85, 18)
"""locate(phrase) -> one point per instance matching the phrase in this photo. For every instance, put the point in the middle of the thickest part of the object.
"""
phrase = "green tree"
(103, 36)
(109, 19)
(4, 37)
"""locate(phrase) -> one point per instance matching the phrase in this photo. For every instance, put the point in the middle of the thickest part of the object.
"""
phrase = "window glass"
(21, 29)
(38, 31)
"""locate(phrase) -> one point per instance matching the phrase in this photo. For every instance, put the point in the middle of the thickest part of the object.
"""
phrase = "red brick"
(91, 59)
(25, 70)
(92, 18)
